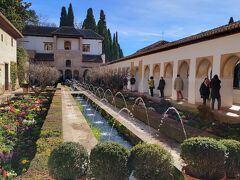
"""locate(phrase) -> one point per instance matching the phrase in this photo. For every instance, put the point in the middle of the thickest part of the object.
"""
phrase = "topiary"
(150, 161)
(233, 159)
(204, 158)
(68, 161)
(108, 161)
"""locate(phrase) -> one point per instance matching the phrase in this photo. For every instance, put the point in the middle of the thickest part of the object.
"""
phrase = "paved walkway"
(141, 130)
(75, 127)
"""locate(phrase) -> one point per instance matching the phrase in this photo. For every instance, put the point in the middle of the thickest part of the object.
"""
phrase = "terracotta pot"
(187, 177)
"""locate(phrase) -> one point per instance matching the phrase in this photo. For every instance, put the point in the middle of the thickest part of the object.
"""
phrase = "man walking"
(215, 93)
(178, 86)
(151, 85)
(161, 87)
(132, 83)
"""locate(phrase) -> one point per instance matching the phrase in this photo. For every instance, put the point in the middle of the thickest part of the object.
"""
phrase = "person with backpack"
(161, 87)
(215, 86)
(205, 90)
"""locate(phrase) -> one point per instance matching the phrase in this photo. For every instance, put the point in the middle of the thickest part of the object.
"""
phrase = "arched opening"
(76, 74)
(203, 70)
(156, 76)
(86, 75)
(68, 63)
(231, 81)
(67, 45)
(68, 74)
(168, 74)
(183, 71)
(146, 78)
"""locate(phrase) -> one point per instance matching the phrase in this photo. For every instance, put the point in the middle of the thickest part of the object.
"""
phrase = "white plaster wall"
(36, 43)
(74, 43)
(95, 46)
(215, 48)
(8, 54)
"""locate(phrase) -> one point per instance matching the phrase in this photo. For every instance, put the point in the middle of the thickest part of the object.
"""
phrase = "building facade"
(72, 51)
(196, 57)
(8, 51)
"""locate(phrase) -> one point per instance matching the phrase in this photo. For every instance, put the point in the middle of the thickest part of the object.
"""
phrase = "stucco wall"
(8, 54)
(36, 43)
(215, 48)
(95, 46)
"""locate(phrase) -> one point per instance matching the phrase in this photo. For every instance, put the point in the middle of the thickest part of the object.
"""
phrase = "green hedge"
(233, 158)
(204, 157)
(151, 161)
(68, 161)
(108, 161)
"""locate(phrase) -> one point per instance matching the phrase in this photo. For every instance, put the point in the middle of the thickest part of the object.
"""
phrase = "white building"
(72, 51)
(216, 51)
(8, 51)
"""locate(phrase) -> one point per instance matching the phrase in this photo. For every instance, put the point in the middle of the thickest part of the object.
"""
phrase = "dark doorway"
(236, 79)
(6, 77)
(68, 74)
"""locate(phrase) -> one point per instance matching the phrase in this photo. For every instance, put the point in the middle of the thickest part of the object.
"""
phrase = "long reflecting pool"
(98, 121)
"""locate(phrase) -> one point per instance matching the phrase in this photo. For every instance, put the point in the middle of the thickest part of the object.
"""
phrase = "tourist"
(205, 90)
(161, 87)
(215, 91)
(178, 86)
(125, 83)
(151, 85)
(132, 83)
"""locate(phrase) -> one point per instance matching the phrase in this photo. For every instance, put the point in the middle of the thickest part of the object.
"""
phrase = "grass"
(50, 137)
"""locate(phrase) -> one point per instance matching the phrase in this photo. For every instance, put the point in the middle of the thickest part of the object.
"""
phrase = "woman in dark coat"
(215, 93)
(161, 87)
(205, 90)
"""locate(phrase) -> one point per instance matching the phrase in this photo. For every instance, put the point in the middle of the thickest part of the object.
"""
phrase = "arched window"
(67, 45)
(68, 63)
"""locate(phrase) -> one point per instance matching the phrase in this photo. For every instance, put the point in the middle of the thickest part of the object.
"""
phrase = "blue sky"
(142, 22)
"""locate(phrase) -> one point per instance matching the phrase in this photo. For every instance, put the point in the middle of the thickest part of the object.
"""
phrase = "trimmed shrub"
(233, 159)
(150, 161)
(68, 161)
(204, 158)
(108, 161)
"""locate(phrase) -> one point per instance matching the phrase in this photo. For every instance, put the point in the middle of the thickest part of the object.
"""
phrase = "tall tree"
(18, 12)
(70, 16)
(89, 22)
(120, 52)
(117, 46)
(114, 48)
(102, 30)
(63, 18)
(231, 20)
(110, 44)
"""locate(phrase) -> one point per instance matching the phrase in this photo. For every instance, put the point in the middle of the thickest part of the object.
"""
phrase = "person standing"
(132, 82)
(125, 83)
(161, 87)
(215, 86)
(205, 90)
(178, 86)
(151, 85)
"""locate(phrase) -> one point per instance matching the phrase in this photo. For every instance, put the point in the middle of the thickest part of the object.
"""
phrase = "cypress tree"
(89, 22)
(231, 20)
(63, 17)
(70, 16)
(110, 44)
(117, 46)
(102, 30)
(114, 48)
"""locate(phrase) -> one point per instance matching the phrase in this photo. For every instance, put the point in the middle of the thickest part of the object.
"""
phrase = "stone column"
(54, 43)
(141, 74)
(175, 72)
(192, 90)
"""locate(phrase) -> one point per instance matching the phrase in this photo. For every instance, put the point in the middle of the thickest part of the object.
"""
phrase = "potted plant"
(108, 160)
(69, 161)
(204, 158)
(150, 161)
(233, 158)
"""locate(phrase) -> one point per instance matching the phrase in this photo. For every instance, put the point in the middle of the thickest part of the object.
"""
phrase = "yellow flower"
(24, 161)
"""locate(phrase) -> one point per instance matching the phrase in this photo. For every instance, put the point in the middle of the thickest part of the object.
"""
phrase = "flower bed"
(21, 119)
